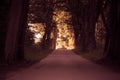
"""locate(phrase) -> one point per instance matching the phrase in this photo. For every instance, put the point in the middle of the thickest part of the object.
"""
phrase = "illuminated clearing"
(65, 34)
(38, 31)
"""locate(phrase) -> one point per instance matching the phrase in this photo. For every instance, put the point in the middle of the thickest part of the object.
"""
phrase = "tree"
(41, 11)
(49, 24)
(113, 47)
(85, 15)
(15, 31)
(4, 6)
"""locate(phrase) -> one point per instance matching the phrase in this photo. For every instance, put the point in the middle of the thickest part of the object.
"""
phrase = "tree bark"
(113, 52)
(15, 31)
(46, 42)
(89, 19)
(91, 24)
(4, 6)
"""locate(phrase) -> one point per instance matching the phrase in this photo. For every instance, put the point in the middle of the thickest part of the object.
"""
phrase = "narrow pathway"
(64, 65)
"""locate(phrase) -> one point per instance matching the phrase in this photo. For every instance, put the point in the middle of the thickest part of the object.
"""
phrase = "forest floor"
(63, 65)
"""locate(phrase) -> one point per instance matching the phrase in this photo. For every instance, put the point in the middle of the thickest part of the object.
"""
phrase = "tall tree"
(4, 7)
(74, 8)
(85, 15)
(113, 46)
(49, 24)
(41, 11)
(15, 31)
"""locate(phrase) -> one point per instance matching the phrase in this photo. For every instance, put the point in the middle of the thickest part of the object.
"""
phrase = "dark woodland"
(95, 24)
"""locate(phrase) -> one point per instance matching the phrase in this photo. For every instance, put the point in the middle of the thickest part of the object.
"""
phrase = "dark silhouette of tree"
(4, 7)
(41, 11)
(85, 15)
(74, 7)
(14, 45)
(113, 45)
(49, 24)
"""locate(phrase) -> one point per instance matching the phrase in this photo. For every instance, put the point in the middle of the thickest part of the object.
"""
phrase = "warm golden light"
(38, 35)
(65, 35)
(38, 31)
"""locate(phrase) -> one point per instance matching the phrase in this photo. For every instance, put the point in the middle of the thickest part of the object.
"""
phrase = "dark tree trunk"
(73, 7)
(46, 38)
(46, 42)
(4, 7)
(54, 36)
(84, 21)
(113, 52)
(105, 14)
(91, 25)
(107, 39)
(22, 30)
(76, 30)
(16, 28)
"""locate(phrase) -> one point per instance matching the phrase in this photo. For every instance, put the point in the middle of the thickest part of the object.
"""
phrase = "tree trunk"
(15, 31)
(76, 30)
(46, 42)
(22, 30)
(84, 20)
(91, 25)
(114, 44)
(87, 35)
(4, 6)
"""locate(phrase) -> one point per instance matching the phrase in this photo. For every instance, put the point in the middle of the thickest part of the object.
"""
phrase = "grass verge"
(94, 55)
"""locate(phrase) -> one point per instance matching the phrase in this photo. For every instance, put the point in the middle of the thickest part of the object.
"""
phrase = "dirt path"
(64, 65)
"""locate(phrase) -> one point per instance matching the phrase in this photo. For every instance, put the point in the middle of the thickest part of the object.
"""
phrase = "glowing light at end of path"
(65, 35)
